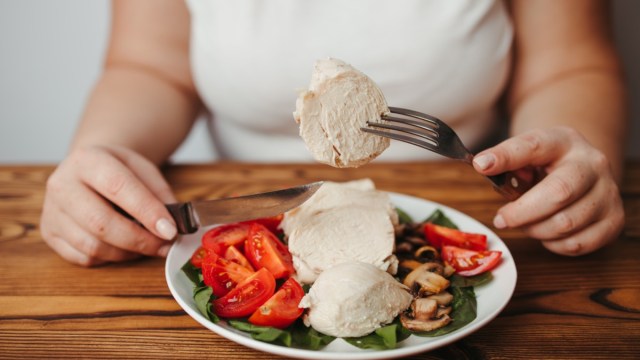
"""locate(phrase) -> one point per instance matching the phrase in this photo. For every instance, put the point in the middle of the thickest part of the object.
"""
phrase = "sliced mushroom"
(426, 253)
(424, 309)
(410, 264)
(415, 240)
(425, 281)
(404, 247)
(443, 311)
(424, 325)
(443, 298)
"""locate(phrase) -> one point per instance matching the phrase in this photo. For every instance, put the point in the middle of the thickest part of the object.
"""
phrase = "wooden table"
(586, 307)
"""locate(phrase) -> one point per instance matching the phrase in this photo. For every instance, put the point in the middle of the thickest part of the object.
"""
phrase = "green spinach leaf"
(439, 218)
(464, 281)
(403, 217)
(192, 272)
(386, 337)
(263, 333)
(203, 295)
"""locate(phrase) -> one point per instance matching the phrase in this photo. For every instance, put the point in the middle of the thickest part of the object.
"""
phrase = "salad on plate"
(346, 264)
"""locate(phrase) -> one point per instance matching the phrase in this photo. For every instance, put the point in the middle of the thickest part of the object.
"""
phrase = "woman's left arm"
(567, 108)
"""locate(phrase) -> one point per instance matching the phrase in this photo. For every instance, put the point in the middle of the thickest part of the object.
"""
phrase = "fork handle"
(512, 184)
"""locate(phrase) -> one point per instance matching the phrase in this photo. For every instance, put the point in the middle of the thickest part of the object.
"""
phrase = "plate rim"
(361, 353)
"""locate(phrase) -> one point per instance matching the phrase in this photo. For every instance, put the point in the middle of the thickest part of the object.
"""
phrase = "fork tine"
(405, 138)
(432, 136)
(432, 127)
(430, 118)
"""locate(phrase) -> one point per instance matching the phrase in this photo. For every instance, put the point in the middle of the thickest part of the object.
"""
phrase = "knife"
(190, 216)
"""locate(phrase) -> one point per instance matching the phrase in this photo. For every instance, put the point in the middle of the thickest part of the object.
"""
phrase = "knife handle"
(181, 213)
(512, 184)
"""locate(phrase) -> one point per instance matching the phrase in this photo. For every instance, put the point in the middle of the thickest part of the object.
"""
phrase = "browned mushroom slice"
(424, 281)
(443, 298)
(424, 309)
(426, 253)
(443, 311)
(410, 264)
(424, 325)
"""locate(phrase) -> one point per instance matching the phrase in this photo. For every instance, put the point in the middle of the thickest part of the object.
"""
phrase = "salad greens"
(464, 310)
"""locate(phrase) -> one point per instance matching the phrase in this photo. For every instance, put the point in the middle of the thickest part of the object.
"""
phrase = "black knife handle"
(181, 213)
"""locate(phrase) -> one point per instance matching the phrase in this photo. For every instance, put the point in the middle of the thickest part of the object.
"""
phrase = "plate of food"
(374, 276)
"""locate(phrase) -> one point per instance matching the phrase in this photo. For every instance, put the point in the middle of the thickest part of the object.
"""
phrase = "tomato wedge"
(223, 275)
(469, 262)
(199, 255)
(439, 236)
(270, 223)
(281, 310)
(221, 237)
(233, 254)
(263, 249)
(245, 298)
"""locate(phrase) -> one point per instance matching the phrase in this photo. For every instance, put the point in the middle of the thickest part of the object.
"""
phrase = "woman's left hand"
(576, 208)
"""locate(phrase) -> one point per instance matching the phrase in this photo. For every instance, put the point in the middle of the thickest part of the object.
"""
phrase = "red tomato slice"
(439, 236)
(270, 223)
(263, 249)
(469, 262)
(245, 298)
(223, 275)
(233, 254)
(221, 237)
(281, 310)
(199, 255)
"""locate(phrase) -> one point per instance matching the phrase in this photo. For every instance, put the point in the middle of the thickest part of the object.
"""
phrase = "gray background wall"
(51, 54)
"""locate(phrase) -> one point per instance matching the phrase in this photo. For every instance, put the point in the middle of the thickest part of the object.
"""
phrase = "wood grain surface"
(563, 308)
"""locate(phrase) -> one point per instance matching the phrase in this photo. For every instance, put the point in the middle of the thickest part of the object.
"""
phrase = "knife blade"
(190, 216)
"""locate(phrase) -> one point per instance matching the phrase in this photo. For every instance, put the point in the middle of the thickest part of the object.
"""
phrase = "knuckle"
(572, 247)
(88, 261)
(91, 248)
(114, 183)
(600, 161)
(561, 191)
(54, 184)
(533, 141)
(97, 223)
(565, 224)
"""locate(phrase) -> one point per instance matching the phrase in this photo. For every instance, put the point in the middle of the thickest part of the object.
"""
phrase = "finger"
(96, 216)
(147, 172)
(89, 245)
(588, 239)
(534, 148)
(71, 254)
(557, 190)
(569, 220)
(118, 184)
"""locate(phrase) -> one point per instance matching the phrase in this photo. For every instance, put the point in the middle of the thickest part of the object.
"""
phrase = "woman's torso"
(250, 58)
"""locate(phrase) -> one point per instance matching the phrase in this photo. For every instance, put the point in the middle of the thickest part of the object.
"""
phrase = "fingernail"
(484, 161)
(164, 250)
(498, 222)
(166, 229)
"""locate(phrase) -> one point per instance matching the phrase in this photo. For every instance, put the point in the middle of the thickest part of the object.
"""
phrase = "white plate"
(492, 297)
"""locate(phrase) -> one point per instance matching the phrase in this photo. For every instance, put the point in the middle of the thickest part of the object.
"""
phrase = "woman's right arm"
(139, 112)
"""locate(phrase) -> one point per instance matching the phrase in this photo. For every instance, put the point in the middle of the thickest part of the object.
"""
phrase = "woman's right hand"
(79, 221)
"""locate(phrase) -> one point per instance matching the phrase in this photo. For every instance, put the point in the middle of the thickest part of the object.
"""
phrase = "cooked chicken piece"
(340, 101)
(354, 299)
(342, 222)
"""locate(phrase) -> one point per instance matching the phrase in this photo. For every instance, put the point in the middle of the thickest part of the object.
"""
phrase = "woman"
(551, 61)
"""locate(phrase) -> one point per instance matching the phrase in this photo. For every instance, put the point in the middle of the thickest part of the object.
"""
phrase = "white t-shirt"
(250, 58)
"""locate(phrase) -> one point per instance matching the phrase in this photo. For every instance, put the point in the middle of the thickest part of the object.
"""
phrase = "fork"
(433, 134)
